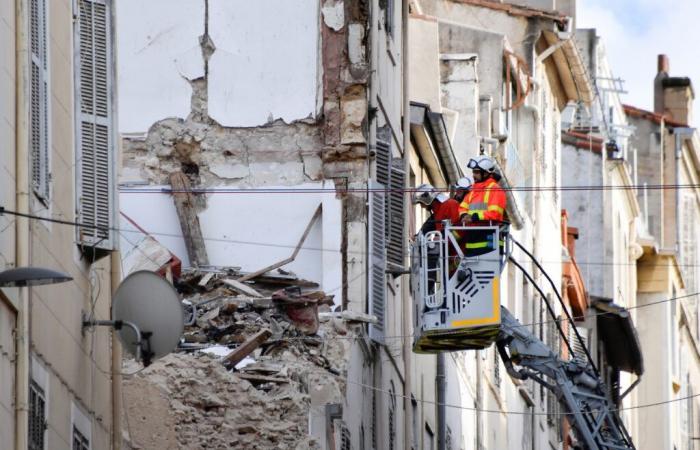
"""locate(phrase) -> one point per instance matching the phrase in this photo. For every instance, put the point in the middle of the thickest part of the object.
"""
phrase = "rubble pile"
(255, 362)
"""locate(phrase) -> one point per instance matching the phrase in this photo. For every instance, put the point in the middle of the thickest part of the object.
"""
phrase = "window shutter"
(39, 100)
(390, 173)
(397, 215)
(94, 139)
(377, 259)
(576, 345)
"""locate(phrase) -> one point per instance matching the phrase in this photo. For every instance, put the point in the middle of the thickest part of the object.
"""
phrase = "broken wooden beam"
(246, 348)
(242, 288)
(257, 273)
(189, 222)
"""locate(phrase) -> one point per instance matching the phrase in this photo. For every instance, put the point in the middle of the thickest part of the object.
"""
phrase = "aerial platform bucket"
(456, 288)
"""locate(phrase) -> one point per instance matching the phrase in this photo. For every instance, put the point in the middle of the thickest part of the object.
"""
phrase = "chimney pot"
(663, 64)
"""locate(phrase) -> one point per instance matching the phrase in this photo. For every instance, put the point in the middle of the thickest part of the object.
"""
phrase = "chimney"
(662, 64)
(663, 68)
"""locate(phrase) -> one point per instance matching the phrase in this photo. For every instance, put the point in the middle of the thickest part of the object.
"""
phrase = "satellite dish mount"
(142, 344)
(147, 315)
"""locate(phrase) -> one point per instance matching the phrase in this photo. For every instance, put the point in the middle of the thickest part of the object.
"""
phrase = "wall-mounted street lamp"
(31, 276)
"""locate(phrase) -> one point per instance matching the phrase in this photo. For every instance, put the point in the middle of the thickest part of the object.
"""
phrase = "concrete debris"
(248, 371)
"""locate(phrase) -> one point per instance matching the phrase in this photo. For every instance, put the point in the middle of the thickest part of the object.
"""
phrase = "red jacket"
(487, 200)
(447, 210)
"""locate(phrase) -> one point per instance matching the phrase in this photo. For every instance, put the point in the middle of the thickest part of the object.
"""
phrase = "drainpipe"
(116, 275)
(479, 401)
(406, 328)
(679, 134)
(22, 223)
(441, 412)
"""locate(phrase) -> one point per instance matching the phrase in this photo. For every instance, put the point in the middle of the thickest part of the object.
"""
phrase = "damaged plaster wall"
(216, 146)
(249, 230)
(158, 50)
(256, 77)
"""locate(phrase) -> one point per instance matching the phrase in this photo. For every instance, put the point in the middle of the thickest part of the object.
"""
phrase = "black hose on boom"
(563, 306)
(546, 302)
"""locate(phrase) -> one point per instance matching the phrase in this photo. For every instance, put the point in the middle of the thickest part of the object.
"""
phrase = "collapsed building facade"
(293, 146)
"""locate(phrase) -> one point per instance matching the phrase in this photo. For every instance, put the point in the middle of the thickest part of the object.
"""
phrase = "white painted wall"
(249, 230)
(157, 52)
(266, 61)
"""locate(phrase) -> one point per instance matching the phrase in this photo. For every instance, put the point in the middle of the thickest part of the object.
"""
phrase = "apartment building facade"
(58, 154)
(667, 147)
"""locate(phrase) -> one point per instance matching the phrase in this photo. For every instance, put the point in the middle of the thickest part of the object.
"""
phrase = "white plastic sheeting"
(250, 230)
(158, 52)
(266, 61)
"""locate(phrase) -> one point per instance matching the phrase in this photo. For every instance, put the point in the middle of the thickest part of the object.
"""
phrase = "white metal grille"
(37, 417)
(80, 442)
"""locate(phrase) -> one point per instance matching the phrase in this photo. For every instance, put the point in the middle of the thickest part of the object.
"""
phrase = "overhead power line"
(337, 190)
(122, 231)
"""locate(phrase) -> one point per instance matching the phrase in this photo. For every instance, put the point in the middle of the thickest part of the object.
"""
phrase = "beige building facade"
(667, 146)
(56, 135)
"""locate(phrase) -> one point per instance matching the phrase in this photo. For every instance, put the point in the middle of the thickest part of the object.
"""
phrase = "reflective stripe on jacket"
(487, 200)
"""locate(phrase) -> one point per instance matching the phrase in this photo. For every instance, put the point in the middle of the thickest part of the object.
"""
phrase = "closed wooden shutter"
(578, 346)
(390, 173)
(377, 259)
(397, 215)
(39, 100)
(95, 135)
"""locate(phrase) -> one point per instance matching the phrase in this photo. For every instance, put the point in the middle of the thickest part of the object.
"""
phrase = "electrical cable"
(518, 413)
(365, 190)
(267, 244)
(561, 302)
(546, 302)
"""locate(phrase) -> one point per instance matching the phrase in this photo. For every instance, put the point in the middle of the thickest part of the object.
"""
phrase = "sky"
(634, 32)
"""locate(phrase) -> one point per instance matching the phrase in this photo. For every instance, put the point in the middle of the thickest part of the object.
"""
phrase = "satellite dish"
(148, 303)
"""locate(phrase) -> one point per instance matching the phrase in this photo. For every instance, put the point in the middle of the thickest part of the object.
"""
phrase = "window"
(496, 367)
(81, 430)
(392, 417)
(80, 442)
(528, 429)
(39, 99)
(37, 417)
(387, 211)
(414, 421)
(428, 438)
(390, 173)
(95, 142)
(389, 12)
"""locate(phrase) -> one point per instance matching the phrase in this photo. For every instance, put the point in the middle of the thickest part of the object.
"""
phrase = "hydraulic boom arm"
(578, 389)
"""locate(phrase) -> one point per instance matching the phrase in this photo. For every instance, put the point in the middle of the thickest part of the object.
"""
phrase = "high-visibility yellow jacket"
(487, 200)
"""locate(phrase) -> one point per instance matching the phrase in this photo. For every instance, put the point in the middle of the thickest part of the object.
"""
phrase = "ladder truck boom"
(578, 389)
(456, 292)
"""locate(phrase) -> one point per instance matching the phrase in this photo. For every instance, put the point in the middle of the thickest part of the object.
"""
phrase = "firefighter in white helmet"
(461, 188)
(440, 205)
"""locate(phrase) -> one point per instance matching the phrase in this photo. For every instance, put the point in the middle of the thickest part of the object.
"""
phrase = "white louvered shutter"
(39, 100)
(377, 259)
(94, 139)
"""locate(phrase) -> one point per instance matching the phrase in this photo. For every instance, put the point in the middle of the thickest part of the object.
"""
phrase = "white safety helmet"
(425, 194)
(463, 184)
(482, 162)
